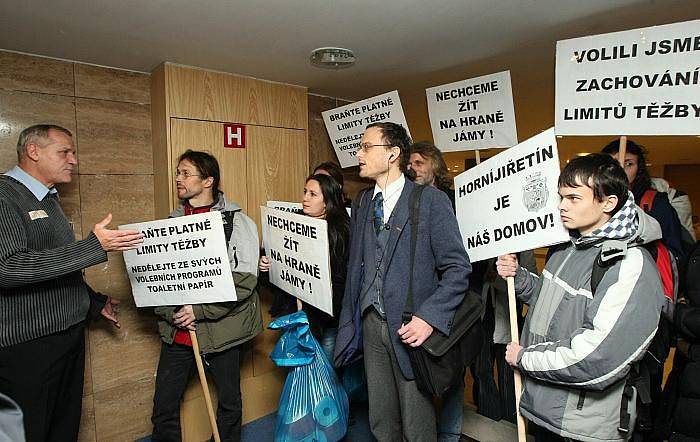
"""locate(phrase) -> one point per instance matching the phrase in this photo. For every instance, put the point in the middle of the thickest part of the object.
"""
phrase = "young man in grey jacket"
(579, 345)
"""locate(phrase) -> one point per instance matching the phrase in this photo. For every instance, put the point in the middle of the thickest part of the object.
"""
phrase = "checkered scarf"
(623, 225)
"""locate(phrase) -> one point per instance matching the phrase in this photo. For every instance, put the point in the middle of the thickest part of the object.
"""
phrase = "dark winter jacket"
(665, 214)
(685, 418)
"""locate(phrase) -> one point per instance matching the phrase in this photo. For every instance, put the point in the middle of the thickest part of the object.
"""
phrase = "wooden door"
(209, 137)
(277, 166)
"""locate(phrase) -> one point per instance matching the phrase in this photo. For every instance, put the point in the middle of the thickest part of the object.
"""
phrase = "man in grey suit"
(378, 278)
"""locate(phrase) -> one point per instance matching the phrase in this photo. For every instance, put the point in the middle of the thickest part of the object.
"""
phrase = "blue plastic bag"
(313, 405)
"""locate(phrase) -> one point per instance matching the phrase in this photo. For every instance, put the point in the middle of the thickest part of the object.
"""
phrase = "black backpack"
(653, 359)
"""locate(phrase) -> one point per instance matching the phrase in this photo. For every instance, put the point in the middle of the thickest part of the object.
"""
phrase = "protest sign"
(182, 260)
(639, 82)
(285, 206)
(297, 247)
(509, 203)
(346, 124)
(473, 114)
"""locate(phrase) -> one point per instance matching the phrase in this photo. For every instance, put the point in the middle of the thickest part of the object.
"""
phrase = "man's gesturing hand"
(110, 311)
(116, 240)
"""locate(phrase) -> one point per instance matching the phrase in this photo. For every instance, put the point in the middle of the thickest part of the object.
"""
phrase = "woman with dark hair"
(331, 169)
(334, 171)
(640, 184)
(323, 199)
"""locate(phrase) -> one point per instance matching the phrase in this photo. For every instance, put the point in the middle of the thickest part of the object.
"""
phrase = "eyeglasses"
(185, 174)
(367, 146)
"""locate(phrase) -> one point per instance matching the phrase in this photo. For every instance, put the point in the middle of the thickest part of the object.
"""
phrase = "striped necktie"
(378, 212)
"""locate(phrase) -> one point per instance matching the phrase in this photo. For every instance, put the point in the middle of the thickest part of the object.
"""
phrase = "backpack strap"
(227, 218)
(228, 224)
(228, 232)
(414, 207)
(555, 248)
(360, 198)
(597, 273)
(610, 252)
(638, 379)
(647, 201)
(359, 202)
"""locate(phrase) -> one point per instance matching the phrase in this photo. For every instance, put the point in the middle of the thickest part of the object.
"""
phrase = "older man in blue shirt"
(44, 301)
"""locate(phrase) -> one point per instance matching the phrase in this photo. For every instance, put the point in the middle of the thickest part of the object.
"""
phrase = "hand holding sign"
(507, 265)
(512, 352)
(184, 318)
(265, 264)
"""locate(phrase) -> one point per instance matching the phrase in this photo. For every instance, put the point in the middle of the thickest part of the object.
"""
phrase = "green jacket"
(221, 325)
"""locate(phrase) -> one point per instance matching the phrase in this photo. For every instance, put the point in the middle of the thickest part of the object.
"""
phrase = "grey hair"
(32, 134)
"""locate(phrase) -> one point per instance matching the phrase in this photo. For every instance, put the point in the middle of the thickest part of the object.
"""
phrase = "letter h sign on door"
(234, 136)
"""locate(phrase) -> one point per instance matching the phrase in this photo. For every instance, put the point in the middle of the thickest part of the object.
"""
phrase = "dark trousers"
(398, 411)
(45, 377)
(506, 383)
(486, 395)
(175, 367)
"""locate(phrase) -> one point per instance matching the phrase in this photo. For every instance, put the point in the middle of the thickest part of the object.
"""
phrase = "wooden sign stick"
(515, 337)
(205, 387)
(622, 151)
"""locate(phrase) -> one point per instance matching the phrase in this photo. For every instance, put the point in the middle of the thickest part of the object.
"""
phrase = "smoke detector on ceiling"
(332, 58)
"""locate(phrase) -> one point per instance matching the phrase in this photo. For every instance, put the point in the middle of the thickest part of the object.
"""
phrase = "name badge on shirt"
(37, 214)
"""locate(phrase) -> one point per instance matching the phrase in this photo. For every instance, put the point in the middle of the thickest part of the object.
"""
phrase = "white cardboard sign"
(285, 206)
(509, 203)
(182, 260)
(346, 124)
(473, 114)
(639, 82)
(297, 247)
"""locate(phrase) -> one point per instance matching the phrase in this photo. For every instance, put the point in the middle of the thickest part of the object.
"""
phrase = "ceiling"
(394, 40)
(400, 44)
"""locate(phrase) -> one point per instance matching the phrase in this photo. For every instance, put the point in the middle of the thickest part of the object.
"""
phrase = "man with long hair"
(429, 168)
